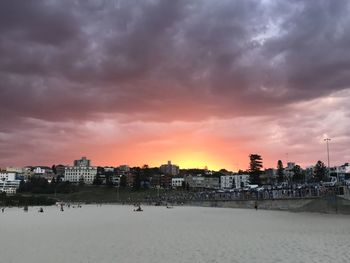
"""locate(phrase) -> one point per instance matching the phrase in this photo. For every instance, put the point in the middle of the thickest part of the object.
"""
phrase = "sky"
(201, 83)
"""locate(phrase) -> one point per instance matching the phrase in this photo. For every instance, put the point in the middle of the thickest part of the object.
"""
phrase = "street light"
(327, 141)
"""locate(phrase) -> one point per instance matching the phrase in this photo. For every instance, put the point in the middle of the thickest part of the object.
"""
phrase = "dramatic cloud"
(143, 81)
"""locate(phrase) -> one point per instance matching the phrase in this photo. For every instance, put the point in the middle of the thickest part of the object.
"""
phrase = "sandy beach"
(113, 233)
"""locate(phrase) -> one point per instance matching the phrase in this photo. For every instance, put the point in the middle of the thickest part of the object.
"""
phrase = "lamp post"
(327, 141)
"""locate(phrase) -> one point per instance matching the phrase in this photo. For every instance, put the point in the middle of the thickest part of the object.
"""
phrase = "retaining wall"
(332, 204)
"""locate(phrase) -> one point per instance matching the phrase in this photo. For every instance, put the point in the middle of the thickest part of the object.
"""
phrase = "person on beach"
(256, 205)
(139, 209)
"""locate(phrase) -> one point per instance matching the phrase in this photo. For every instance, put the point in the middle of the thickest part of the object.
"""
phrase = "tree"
(97, 180)
(54, 169)
(298, 175)
(21, 187)
(3, 198)
(122, 181)
(137, 179)
(280, 171)
(320, 171)
(53, 181)
(145, 175)
(81, 181)
(217, 174)
(255, 167)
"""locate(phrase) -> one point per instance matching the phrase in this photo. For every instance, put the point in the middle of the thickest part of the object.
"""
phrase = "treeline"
(295, 174)
(20, 200)
(40, 185)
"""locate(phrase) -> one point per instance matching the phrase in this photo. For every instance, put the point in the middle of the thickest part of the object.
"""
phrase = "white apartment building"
(227, 181)
(234, 181)
(9, 190)
(8, 182)
(42, 170)
(242, 180)
(177, 182)
(7, 176)
(74, 174)
(80, 171)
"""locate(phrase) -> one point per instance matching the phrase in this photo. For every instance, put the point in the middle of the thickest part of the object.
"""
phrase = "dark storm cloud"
(315, 45)
(167, 60)
(45, 22)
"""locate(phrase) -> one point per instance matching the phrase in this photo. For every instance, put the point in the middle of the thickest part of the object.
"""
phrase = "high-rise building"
(80, 172)
(82, 162)
(169, 169)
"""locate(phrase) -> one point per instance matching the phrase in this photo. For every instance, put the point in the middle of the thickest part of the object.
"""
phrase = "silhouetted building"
(82, 162)
(169, 169)
(59, 170)
(200, 181)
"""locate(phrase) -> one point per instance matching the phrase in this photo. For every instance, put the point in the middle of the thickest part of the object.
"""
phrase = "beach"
(115, 233)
